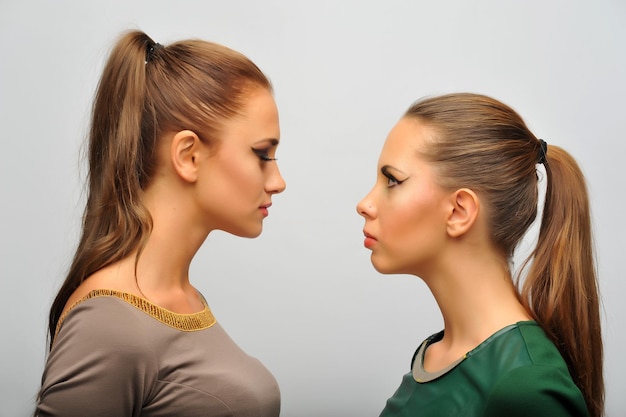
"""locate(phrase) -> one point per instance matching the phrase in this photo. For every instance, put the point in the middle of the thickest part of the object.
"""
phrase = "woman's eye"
(263, 154)
(392, 182)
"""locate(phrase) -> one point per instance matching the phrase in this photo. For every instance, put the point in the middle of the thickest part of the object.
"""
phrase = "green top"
(516, 372)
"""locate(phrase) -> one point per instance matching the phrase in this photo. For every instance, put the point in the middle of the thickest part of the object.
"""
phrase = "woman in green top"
(456, 192)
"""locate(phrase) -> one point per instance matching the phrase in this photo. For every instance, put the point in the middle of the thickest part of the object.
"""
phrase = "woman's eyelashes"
(392, 181)
(263, 154)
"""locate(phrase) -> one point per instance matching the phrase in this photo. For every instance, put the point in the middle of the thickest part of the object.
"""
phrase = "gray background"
(304, 297)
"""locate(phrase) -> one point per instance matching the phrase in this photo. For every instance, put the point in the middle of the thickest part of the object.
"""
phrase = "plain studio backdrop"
(304, 297)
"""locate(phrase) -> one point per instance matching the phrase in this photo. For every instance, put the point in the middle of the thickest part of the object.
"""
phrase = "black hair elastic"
(543, 151)
(151, 49)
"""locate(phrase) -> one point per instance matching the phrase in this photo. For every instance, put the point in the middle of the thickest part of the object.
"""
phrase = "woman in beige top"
(182, 143)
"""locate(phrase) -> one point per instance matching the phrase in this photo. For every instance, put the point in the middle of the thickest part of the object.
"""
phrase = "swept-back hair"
(145, 90)
(483, 144)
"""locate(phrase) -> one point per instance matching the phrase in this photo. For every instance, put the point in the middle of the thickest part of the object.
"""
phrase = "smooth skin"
(415, 226)
(199, 187)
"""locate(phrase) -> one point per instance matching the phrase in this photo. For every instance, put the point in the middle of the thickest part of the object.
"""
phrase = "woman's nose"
(365, 207)
(275, 183)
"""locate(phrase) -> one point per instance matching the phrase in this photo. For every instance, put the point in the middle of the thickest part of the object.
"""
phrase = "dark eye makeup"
(392, 181)
(263, 154)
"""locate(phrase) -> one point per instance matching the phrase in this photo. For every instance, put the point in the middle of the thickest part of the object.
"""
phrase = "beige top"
(118, 355)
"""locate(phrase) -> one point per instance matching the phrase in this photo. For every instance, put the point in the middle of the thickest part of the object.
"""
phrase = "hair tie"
(543, 151)
(151, 49)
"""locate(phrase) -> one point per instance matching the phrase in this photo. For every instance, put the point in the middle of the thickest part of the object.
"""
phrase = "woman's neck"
(162, 269)
(477, 297)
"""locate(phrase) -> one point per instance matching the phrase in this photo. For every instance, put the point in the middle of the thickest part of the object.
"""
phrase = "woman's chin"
(382, 267)
(249, 231)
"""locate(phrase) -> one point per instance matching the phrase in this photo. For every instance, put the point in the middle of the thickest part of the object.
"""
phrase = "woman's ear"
(184, 152)
(465, 209)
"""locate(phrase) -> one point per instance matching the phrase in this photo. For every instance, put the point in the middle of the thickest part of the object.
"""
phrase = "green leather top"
(516, 372)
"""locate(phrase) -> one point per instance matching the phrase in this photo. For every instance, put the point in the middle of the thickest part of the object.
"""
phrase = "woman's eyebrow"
(386, 168)
(270, 141)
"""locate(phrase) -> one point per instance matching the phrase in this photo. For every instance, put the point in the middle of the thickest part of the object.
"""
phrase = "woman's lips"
(369, 241)
(264, 209)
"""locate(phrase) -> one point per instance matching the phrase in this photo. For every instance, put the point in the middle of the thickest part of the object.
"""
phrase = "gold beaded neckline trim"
(185, 322)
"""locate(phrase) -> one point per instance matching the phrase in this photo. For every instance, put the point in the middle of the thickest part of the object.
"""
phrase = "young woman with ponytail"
(182, 142)
(455, 194)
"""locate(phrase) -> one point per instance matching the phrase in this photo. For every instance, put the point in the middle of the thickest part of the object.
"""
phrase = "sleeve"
(536, 391)
(102, 364)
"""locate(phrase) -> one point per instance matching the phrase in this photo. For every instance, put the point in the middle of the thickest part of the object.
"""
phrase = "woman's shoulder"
(103, 278)
(90, 289)
(119, 315)
(541, 350)
(539, 390)
(101, 314)
(540, 385)
(102, 350)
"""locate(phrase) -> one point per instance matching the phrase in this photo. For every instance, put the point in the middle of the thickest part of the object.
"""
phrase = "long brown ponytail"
(485, 145)
(146, 89)
(561, 288)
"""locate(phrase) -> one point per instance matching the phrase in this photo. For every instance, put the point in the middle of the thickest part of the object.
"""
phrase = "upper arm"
(536, 391)
(99, 365)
